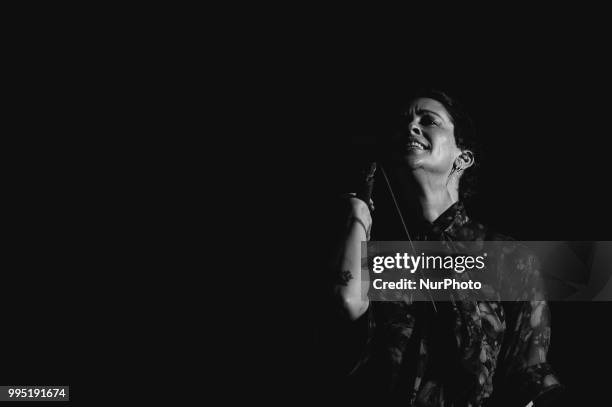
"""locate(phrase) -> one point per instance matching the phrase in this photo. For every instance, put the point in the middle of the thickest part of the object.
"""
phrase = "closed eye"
(429, 120)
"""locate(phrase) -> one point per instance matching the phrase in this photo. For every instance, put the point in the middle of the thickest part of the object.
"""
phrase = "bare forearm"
(355, 302)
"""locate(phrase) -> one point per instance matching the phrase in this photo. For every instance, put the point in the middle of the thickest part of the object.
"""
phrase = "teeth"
(416, 144)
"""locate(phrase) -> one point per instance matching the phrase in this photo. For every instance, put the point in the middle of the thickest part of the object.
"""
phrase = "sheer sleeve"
(524, 374)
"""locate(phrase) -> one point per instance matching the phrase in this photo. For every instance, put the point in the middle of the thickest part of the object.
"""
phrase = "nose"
(415, 130)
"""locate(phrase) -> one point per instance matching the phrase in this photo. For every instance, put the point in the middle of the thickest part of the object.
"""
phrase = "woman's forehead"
(428, 104)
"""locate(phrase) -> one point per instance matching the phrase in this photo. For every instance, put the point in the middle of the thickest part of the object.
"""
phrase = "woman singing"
(462, 353)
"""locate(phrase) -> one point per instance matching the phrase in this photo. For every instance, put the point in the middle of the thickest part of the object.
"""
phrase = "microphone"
(367, 184)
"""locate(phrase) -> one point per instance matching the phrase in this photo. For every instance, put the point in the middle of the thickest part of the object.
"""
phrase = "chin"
(413, 160)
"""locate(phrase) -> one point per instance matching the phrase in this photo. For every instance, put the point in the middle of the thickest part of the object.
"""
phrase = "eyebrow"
(429, 111)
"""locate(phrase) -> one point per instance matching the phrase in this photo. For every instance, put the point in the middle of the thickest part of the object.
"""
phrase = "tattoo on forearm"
(344, 277)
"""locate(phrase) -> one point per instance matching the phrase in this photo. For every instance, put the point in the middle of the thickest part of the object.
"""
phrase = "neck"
(434, 194)
(435, 202)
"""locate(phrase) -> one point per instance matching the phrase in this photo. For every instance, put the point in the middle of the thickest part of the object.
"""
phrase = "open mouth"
(414, 144)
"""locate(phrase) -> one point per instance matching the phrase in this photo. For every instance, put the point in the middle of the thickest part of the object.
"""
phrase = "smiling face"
(426, 139)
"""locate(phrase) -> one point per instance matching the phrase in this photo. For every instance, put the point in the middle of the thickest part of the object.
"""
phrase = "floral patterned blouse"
(462, 354)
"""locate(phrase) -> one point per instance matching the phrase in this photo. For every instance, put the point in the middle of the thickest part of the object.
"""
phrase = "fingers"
(354, 195)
